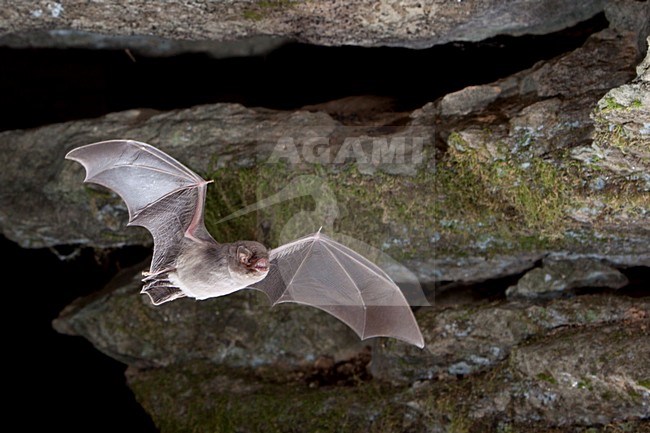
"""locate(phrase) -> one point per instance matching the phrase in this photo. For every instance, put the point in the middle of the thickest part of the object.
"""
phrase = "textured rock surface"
(621, 147)
(517, 361)
(37, 211)
(415, 24)
(466, 339)
(558, 278)
(597, 388)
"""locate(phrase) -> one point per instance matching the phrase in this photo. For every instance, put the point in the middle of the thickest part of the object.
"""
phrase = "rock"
(622, 139)
(565, 90)
(468, 270)
(562, 277)
(548, 110)
(360, 110)
(217, 399)
(240, 331)
(543, 387)
(607, 381)
(213, 138)
(414, 24)
(469, 99)
(462, 340)
(557, 77)
(631, 17)
(207, 138)
(213, 362)
(146, 45)
(643, 70)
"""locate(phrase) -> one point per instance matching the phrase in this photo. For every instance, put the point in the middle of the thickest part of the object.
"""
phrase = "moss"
(589, 316)
(547, 377)
(204, 397)
(613, 134)
(618, 137)
(263, 8)
(464, 204)
(531, 194)
(366, 207)
(611, 104)
(607, 395)
(521, 203)
(342, 200)
(585, 383)
(460, 424)
(644, 383)
(253, 15)
(633, 394)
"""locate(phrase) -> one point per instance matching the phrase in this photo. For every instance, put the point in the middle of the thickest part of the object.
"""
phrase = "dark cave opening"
(64, 378)
(43, 86)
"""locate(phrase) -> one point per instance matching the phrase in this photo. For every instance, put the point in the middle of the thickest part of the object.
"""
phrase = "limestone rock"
(543, 387)
(607, 380)
(562, 277)
(622, 140)
(466, 339)
(415, 24)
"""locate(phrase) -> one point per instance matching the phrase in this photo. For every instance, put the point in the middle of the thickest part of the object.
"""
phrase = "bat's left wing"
(161, 194)
(318, 271)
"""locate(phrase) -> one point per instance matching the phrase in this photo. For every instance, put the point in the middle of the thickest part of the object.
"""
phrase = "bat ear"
(244, 254)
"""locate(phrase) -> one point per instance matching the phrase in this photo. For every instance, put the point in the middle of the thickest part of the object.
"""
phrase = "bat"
(168, 199)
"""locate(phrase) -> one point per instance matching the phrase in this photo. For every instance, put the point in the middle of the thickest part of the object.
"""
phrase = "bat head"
(251, 260)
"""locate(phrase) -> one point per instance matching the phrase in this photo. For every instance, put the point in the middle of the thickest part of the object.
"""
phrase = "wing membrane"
(320, 272)
(161, 194)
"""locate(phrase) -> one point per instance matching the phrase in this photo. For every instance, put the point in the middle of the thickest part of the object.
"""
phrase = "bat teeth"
(262, 265)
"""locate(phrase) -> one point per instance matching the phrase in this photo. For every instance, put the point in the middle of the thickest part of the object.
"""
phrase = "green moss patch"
(263, 8)
(463, 204)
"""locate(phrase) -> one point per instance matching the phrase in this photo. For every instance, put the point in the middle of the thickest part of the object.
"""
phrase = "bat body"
(227, 274)
(168, 199)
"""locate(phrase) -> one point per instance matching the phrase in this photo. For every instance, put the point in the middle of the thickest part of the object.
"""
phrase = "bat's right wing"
(160, 193)
(318, 271)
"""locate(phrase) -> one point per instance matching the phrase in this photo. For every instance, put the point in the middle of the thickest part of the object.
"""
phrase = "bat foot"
(160, 292)
(159, 287)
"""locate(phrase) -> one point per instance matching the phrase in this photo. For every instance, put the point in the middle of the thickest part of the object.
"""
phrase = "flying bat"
(167, 198)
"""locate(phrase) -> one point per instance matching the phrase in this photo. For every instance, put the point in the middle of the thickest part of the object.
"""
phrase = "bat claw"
(160, 289)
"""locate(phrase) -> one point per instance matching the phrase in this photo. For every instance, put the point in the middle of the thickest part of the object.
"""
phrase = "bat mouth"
(261, 265)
